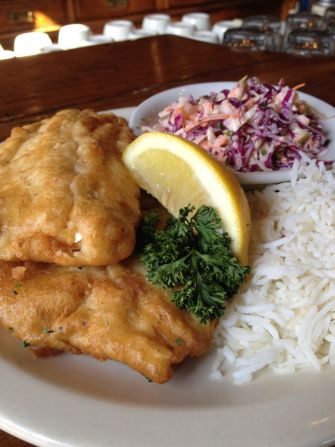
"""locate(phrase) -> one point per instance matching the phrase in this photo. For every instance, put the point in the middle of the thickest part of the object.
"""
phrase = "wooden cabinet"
(17, 16)
(178, 4)
(86, 10)
(21, 15)
(226, 9)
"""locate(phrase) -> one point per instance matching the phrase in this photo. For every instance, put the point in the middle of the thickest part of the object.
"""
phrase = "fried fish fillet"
(65, 195)
(108, 313)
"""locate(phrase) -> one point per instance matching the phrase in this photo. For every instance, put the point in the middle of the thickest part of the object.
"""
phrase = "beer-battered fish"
(65, 195)
(108, 313)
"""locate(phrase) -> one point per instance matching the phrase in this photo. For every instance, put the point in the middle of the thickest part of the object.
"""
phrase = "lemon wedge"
(177, 173)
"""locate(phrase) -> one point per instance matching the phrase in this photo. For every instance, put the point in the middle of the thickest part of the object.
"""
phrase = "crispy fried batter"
(108, 313)
(65, 196)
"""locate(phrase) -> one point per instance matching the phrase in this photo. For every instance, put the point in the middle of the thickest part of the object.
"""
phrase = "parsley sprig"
(193, 256)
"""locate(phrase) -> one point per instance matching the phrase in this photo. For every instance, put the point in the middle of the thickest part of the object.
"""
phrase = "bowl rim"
(155, 103)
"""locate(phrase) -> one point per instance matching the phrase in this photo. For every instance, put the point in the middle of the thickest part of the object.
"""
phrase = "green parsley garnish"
(47, 331)
(25, 344)
(193, 256)
(17, 286)
(179, 341)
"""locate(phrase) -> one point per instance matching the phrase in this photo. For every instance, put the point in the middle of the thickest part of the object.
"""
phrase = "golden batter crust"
(108, 313)
(65, 195)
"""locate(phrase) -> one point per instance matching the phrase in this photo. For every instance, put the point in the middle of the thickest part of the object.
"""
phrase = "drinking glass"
(263, 22)
(252, 39)
(310, 43)
(267, 24)
(331, 32)
(302, 21)
(219, 28)
(330, 14)
(331, 27)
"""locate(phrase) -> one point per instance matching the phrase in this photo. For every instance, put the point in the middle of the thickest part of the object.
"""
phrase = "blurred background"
(29, 27)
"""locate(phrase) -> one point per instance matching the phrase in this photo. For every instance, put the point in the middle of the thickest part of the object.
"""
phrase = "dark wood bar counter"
(123, 74)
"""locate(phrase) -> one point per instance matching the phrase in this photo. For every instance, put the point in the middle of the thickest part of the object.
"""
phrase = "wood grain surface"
(123, 74)
(10, 441)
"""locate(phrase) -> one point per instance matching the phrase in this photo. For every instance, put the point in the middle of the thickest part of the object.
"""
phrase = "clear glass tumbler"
(330, 14)
(268, 24)
(249, 39)
(262, 22)
(304, 20)
(219, 28)
(310, 43)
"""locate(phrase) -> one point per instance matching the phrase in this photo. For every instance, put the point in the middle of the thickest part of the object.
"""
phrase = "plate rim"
(322, 431)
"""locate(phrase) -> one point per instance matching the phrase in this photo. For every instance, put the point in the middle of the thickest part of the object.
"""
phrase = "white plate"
(79, 402)
(146, 113)
(76, 401)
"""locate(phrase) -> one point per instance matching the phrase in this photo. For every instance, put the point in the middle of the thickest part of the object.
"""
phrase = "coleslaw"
(252, 127)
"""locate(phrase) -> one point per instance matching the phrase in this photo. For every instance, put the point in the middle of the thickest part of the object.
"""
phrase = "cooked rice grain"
(284, 316)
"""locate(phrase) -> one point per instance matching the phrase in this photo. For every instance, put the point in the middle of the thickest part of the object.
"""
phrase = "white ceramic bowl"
(200, 20)
(146, 114)
(139, 33)
(28, 44)
(206, 36)
(118, 29)
(180, 29)
(98, 39)
(6, 54)
(54, 48)
(74, 35)
(156, 23)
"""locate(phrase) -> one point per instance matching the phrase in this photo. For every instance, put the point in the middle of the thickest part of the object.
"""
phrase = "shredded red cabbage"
(253, 127)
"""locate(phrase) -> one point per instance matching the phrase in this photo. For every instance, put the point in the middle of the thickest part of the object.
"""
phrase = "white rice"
(284, 316)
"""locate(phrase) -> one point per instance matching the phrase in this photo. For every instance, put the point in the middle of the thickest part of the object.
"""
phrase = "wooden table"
(123, 74)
